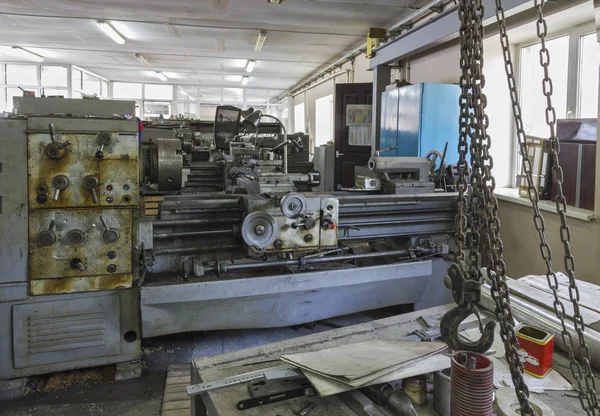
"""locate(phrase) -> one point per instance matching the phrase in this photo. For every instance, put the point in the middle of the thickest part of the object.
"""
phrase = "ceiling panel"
(203, 42)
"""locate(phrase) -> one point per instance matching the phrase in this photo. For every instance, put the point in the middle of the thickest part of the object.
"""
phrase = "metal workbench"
(222, 402)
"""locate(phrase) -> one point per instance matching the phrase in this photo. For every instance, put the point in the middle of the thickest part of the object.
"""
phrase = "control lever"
(110, 235)
(102, 139)
(55, 149)
(90, 183)
(59, 183)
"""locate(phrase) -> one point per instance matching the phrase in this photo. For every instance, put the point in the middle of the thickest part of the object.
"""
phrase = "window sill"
(512, 195)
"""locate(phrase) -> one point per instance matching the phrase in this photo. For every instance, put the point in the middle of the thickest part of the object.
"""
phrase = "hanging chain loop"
(477, 223)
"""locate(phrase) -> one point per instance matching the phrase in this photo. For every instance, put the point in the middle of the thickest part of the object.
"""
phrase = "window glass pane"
(91, 84)
(3, 106)
(588, 77)
(187, 109)
(324, 120)
(23, 75)
(127, 90)
(533, 101)
(105, 89)
(77, 79)
(233, 96)
(155, 109)
(187, 93)
(54, 76)
(158, 91)
(299, 118)
(256, 97)
(209, 95)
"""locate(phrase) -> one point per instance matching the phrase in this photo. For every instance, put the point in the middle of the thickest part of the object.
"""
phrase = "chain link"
(481, 230)
(588, 396)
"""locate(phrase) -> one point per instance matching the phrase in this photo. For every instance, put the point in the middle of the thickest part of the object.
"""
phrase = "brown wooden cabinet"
(578, 160)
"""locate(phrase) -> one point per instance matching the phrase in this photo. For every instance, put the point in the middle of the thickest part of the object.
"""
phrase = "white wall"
(441, 65)
(359, 73)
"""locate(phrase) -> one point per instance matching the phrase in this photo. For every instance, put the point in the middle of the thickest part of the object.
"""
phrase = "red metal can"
(535, 349)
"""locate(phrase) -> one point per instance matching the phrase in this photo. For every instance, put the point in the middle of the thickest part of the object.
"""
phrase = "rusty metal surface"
(55, 260)
(80, 284)
(118, 169)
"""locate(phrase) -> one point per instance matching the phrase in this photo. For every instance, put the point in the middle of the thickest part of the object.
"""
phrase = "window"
(21, 75)
(323, 120)
(233, 96)
(91, 84)
(54, 76)
(154, 109)
(588, 77)
(158, 92)
(77, 80)
(299, 125)
(574, 60)
(127, 90)
(533, 101)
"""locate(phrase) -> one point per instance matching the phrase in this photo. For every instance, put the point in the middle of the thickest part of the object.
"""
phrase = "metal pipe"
(332, 76)
(525, 311)
(192, 234)
(165, 223)
(357, 51)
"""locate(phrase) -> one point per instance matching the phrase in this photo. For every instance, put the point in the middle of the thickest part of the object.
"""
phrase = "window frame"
(573, 78)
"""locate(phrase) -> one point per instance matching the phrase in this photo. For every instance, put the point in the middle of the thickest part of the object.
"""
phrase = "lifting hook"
(449, 327)
(466, 293)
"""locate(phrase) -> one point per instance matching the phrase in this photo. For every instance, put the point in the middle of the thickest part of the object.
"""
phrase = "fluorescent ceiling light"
(244, 80)
(161, 76)
(233, 78)
(18, 52)
(250, 66)
(111, 32)
(262, 36)
(274, 1)
(142, 59)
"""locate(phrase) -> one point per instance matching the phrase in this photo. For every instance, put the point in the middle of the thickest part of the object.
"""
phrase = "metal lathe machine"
(105, 240)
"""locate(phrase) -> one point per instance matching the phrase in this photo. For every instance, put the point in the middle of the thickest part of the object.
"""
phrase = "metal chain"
(484, 233)
(463, 143)
(591, 408)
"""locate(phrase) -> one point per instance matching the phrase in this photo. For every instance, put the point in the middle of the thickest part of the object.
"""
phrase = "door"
(355, 152)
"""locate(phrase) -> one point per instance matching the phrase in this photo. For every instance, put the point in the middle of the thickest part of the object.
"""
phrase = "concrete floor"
(143, 396)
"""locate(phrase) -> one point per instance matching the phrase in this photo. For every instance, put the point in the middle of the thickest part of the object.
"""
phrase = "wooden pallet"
(176, 401)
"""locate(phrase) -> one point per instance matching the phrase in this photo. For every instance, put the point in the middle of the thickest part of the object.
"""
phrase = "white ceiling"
(197, 42)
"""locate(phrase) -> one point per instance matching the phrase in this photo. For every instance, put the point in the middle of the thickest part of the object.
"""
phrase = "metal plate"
(58, 331)
(54, 261)
(117, 170)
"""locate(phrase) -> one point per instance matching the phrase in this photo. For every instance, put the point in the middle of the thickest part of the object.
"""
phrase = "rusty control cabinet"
(69, 202)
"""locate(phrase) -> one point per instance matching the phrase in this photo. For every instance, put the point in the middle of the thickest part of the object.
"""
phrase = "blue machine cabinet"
(419, 118)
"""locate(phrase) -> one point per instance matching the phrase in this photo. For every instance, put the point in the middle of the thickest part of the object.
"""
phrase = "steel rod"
(317, 260)
(192, 250)
(525, 311)
(165, 223)
(192, 234)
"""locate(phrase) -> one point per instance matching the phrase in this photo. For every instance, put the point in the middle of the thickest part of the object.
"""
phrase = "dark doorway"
(348, 155)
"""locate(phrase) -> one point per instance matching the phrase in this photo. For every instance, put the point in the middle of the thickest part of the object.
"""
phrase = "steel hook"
(449, 327)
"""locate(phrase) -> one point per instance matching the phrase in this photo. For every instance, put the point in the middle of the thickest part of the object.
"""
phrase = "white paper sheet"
(552, 381)
(326, 386)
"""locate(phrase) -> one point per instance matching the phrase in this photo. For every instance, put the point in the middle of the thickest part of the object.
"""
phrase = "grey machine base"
(290, 299)
(44, 334)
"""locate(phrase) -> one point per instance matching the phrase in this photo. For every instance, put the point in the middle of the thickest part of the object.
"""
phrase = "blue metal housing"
(419, 118)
